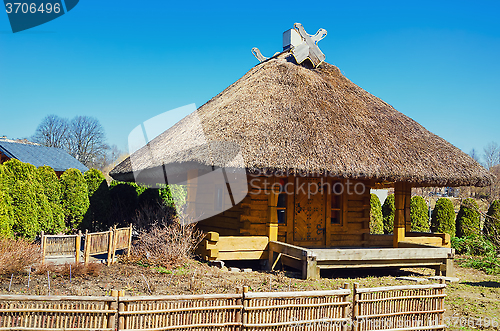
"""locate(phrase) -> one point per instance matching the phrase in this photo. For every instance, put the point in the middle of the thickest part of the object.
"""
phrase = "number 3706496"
(26, 8)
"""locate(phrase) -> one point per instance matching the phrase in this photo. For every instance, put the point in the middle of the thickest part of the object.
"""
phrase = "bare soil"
(469, 303)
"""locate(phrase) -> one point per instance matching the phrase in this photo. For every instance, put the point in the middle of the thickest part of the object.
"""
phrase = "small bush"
(100, 202)
(376, 218)
(468, 222)
(75, 199)
(491, 228)
(166, 246)
(419, 215)
(79, 269)
(473, 245)
(388, 210)
(443, 217)
(51, 214)
(17, 254)
(488, 264)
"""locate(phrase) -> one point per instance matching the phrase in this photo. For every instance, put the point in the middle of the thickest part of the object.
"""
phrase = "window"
(281, 206)
(336, 217)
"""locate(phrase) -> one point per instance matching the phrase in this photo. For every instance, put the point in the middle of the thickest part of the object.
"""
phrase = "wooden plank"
(411, 263)
(242, 243)
(291, 262)
(435, 241)
(297, 294)
(243, 255)
(288, 249)
(380, 253)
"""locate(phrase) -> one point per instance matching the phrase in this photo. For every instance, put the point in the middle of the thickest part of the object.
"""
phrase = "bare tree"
(87, 141)
(475, 155)
(491, 155)
(52, 132)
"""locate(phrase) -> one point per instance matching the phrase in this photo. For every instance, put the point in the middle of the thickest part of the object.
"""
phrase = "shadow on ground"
(483, 284)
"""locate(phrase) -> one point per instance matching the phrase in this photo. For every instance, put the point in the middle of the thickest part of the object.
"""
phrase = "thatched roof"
(285, 116)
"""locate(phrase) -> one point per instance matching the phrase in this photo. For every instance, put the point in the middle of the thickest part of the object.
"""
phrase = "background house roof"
(39, 155)
(294, 118)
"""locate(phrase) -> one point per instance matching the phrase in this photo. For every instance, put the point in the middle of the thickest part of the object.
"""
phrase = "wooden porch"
(310, 261)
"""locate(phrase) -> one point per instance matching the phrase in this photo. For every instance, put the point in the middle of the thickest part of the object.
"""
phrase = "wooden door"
(309, 213)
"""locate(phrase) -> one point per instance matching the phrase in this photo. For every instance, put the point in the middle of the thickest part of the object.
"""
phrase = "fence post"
(121, 309)
(355, 308)
(344, 308)
(42, 243)
(441, 301)
(86, 250)
(113, 306)
(78, 243)
(115, 243)
(244, 310)
(110, 245)
(129, 240)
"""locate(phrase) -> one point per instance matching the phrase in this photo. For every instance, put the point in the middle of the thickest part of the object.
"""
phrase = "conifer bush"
(468, 222)
(419, 214)
(6, 216)
(388, 210)
(376, 218)
(100, 202)
(53, 193)
(75, 199)
(443, 217)
(492, 223)
(25, 190)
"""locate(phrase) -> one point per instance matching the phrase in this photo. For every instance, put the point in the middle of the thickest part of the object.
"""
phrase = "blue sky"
(124, 62)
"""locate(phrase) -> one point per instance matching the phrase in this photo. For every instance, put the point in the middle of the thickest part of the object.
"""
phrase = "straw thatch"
(290, 117)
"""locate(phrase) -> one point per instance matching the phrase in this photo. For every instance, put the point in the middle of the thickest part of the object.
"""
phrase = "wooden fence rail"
(107, 242)
(396, 308)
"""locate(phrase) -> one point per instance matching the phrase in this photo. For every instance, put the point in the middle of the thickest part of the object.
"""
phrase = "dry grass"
(167, 245)
(77, 269)
(17, 254)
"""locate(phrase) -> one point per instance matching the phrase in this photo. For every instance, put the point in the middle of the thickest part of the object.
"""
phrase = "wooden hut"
(297, 125)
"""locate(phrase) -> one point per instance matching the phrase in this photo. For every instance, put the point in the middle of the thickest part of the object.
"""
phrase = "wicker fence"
(402, 308)
(107, 242)
(384, 308)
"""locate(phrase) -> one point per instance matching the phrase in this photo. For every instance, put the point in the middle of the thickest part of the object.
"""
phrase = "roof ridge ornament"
(302, 45)
(309, 49)
(256, 52)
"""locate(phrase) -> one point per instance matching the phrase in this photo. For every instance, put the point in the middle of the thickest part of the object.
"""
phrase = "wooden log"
(77, 246)
(86, 251)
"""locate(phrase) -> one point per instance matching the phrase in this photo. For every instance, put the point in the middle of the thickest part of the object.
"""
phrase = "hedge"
(376, 218)
(443, 217)
(75, 199)
(468, 221)
(419, 214)
(388, 210)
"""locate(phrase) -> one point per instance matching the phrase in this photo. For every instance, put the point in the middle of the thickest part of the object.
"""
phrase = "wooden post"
(115, 239)
(355, 308)
(245, 305)
(110, 245)
(344, 309)
(86, 250)
(238, 317)
(78, 242)
(399, 216)
(43, 244)
(272, 218)
(121, 309)
(113, 306)
(129, 240)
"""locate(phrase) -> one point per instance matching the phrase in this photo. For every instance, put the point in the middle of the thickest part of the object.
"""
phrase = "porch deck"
(312, 260)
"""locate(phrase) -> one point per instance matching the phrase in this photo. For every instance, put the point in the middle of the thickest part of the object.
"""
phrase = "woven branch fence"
(107, 242)
(397, 308)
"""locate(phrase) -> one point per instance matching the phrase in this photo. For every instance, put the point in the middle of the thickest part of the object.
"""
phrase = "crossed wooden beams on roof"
(307, 49)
